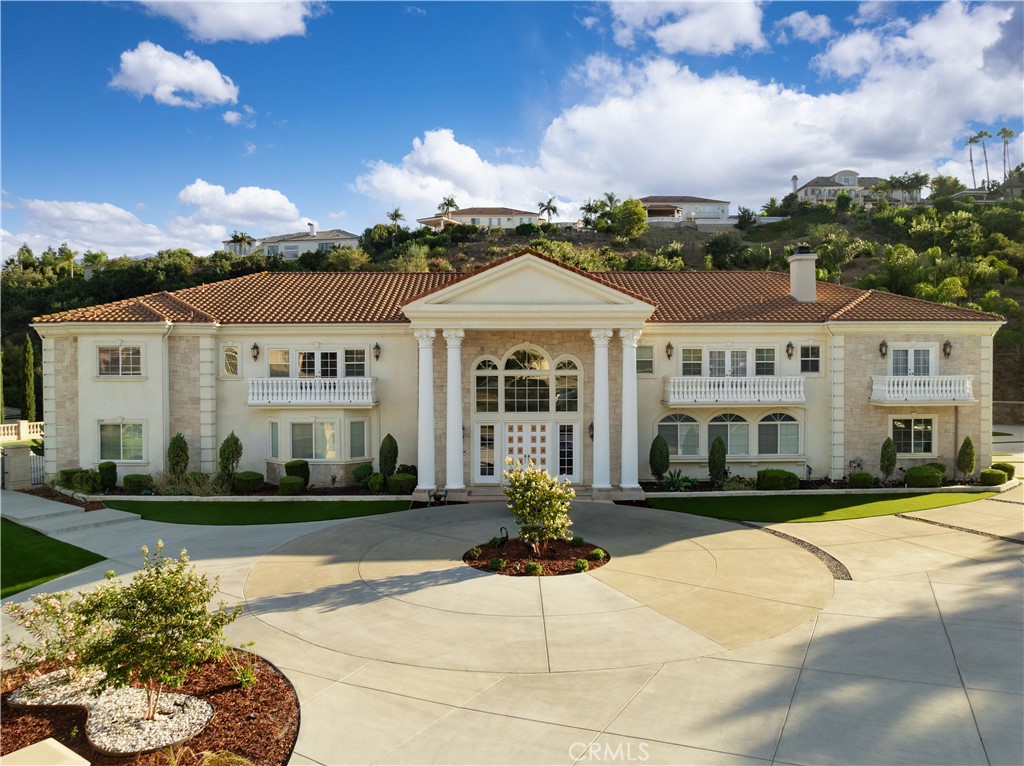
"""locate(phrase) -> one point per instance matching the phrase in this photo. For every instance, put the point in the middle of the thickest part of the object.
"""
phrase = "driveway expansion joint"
(834, 565)
(962, 529)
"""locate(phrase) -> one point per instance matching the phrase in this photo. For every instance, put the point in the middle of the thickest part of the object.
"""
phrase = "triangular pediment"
(528, 289)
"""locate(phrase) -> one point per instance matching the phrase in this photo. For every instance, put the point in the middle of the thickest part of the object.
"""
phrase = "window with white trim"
(913, 436)
(692, 361)
(279, 361)
(810, 359)
(681, 432)
(121, 441)
(318, 364)
(275, 438)
(487, 386)
(911, 361)
(314, 441)
(355, 362)
(356, 439)
(229, 360)
(120, 361)
(567, 392)
(525, 391)
(645, 360)
(733, 429)
(778, 434)
(731, 363)
(764, 361)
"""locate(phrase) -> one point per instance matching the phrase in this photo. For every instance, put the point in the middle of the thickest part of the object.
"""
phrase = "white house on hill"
(291, 246)
(488, 217)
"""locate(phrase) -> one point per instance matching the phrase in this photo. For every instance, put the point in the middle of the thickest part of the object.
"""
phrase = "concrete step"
(51, 510)
(54, 524)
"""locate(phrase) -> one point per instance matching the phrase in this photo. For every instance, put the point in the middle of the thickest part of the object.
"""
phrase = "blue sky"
(134, 127)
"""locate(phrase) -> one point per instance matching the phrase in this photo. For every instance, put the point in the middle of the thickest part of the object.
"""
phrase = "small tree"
(177, 456)
(716, 460)
(388, 457)
(659, 457)
(539, 502)
(29, 372)
(746, 218)
(159, 626)
(61, 630)
(965, 458)
(229, 457)
(887, 460)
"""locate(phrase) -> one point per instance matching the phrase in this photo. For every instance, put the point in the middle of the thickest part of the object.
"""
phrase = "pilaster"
(602, 452)
(425, 415)
(454, 472)
(629, 478)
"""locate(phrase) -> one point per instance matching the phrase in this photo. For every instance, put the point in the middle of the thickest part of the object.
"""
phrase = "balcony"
(933, 389)
(339, 392)
(752, 390)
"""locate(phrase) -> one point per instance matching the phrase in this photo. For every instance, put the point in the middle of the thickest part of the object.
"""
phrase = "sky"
(132, 127)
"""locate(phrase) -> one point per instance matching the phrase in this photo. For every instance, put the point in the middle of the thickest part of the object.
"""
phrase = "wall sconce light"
(947, 349)
(376, 352)
(789, 350)
(590, 430)
(255, 351)
(883, 349)
(669, 348)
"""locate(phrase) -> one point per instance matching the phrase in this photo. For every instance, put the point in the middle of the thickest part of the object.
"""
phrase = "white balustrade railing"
(696, 390)
(922, 388)
(351, 391)
(20, 430)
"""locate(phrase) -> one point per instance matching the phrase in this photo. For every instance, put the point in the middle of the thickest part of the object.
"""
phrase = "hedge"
(1008, 468)
(401, 484)
(298, 468)
(134, 483)
(861, 480)
(362, 473)
(290, 485)
(776, 478)
(247, 482)
(924, 476)
(108, 475)
(375, 483)
(993, 477)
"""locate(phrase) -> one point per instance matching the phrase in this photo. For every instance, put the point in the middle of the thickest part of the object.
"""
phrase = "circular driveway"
(394, 588)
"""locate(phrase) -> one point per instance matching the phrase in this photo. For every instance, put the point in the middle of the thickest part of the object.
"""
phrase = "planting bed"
(559, 557)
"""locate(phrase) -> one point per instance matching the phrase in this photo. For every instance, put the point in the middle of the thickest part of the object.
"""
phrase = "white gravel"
(114, 724)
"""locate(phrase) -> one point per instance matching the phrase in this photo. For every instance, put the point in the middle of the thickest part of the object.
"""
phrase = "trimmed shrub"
(776, 478)
(581, 565)
(290, 485)
(965, 462)
(298, 468)
(887, 462)
(375, 483)
(1008, 468)
(659, 457)
(247, 482)
(230, 455)
(401, 484)
(362, 473)
(577, 541)
(993, 477)
(861, 480)
(108, 475)
(84, 480)
(177, 456)
(406, 468)
(495, 564)
(534, 568)
(134, 483)
(923, 476)
(473, 554)
(597, 554)
(528, 230)
(716, 460)
(940, 467)
(495, 542)
(388, 457)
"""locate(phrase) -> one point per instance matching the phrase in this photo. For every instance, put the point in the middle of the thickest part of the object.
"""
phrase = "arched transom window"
(526, 382)
(682, 433)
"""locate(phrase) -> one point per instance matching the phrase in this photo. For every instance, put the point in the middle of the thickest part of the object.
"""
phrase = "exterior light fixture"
(669, 348)
(376, 352)
(947, 349)
(789, 350)
(883, 349)
(255, 351)
(590, 430)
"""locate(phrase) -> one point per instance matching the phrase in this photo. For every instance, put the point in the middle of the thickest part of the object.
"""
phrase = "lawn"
(811, 507)
(241, 512)
(28, 558)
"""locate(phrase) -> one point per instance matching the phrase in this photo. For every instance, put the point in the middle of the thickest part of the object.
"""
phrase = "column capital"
(630, 336)
(425, 338)
(454, 338)
(601, 337)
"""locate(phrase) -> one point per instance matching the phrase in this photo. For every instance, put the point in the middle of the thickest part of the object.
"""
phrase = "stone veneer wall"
(866, 425)
(183, 394)
(60, 384)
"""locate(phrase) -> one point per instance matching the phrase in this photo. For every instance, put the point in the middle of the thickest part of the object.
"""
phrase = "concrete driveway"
(700, 642)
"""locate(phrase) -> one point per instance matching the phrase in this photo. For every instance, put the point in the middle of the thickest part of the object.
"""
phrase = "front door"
(528, 441)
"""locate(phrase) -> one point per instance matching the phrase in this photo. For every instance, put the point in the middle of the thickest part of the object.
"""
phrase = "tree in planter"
(177, 456)
(965, 458)
(716, 461)
(388, 457)
(158, 625)
(659, 457)
(539, 502)
(887, 459)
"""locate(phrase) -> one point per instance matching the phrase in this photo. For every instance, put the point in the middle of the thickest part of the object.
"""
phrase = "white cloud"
(187, 80)
(249, 206)
(415, 10)
(233, 118)
(804, 26)
(690, 27)
(239, 19)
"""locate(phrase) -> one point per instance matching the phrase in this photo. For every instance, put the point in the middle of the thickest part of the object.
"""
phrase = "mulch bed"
(559, 557)
(260, 723)
(48, 493)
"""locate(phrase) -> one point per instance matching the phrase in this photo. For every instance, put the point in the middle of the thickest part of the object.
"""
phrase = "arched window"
(524, 359)
(778, 434)
(682, 434)
(733, 430)
(527, 381)
(487, 386)
(567, 387)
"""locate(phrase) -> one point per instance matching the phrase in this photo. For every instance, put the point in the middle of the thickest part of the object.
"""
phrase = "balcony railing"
(894, 389)
(353, 392)
(753, 390)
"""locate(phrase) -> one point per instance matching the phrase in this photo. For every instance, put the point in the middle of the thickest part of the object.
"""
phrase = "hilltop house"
(524, 358)
(291, 246)
(488, 217)
(667, 210)
(827, 188)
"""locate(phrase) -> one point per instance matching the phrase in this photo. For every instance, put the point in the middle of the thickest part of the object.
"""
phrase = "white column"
(630, 459)
(453, 463)
(425, 421)
(602, 454)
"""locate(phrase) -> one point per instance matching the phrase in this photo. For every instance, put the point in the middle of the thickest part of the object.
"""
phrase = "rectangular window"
(121, 441)
(527, 394)
(566, 393)
(764, 361)
(494, 221)
(120, 361)
(645, 360)
(735, 436)
(692, 361)
(486, 393)
(314, 441)
(275, 439)
(912, 436)
(280, 362)
(487, 450)
(716, 364)
(273, 250)
(566, 449)
(291, 251)
(778, 438)
(230, 364)
(730, 363)
(356, 439)
(810, 359)
(355, 363)
(911, 361)
(738, 364)
(324, 247)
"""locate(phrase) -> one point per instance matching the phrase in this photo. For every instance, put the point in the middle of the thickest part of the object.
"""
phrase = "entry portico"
(531, 371)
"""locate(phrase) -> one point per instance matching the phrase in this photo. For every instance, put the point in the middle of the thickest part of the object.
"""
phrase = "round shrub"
(1008, 468)
(401, 484)
(375, 483)
(581, 565)
(861, 480)
(940, 467)
(495, 564)
(84, 480)
(247, 482)
(494, 542)
(993, 477)
(776, 478)
(108, 475)
(577, 541)
(473, 554)
(298, 468)
(923, 476)
(406, 468)
(534, 568)
(362, 473)
(134, 483)
(290, 485)
(597, 554)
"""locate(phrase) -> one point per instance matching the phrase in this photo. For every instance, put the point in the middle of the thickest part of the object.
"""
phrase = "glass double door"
(553, 446)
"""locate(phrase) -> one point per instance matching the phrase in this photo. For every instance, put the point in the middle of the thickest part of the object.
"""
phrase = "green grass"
(241, 512)
(816, 507)
(28, 558)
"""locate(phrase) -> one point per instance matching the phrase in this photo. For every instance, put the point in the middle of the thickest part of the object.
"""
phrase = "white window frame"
(808, 358)
(288, 360)
(318, 360)
(496, 431)
(916, 416)
(699, 362)
(774, 361)
(794, 423)
(731, 355)
(343, 361)
(224, 374)
(740, 420)
(120, 374)
(646, 360)
(274, 425)
(912, 351)
(328, 458)
(121, 423)
(350, 451)
(674, 444)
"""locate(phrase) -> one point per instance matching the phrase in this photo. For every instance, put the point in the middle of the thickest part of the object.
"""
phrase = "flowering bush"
(539, 502)
(62, 630)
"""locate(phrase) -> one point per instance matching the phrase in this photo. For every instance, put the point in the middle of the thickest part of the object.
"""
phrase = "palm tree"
(395, 216)
(590, 209)
(242, 242)
(95, 259)
(610, 200)
(1007, 135)
(547, 208)
(970, 153)
(448, 204)
(982, 135)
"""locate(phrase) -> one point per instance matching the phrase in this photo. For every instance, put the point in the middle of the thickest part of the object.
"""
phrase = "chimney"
(803, 284)
(795, 180)
(312, 229)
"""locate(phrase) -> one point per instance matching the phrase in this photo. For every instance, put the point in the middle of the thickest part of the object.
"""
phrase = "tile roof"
(669, 200)
(378, 297)
(329, 234)
(491, 211)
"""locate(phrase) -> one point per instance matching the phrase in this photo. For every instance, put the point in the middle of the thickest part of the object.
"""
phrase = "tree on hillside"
(628, 219)
(946, 186)
(547, 208)
(1007, 135)
(396, 215)
(94, 258)
(241, 240)
(448, 204)
(610, 200)
(971, 142)
(590, 209)
(772, 207)
(982, 135)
